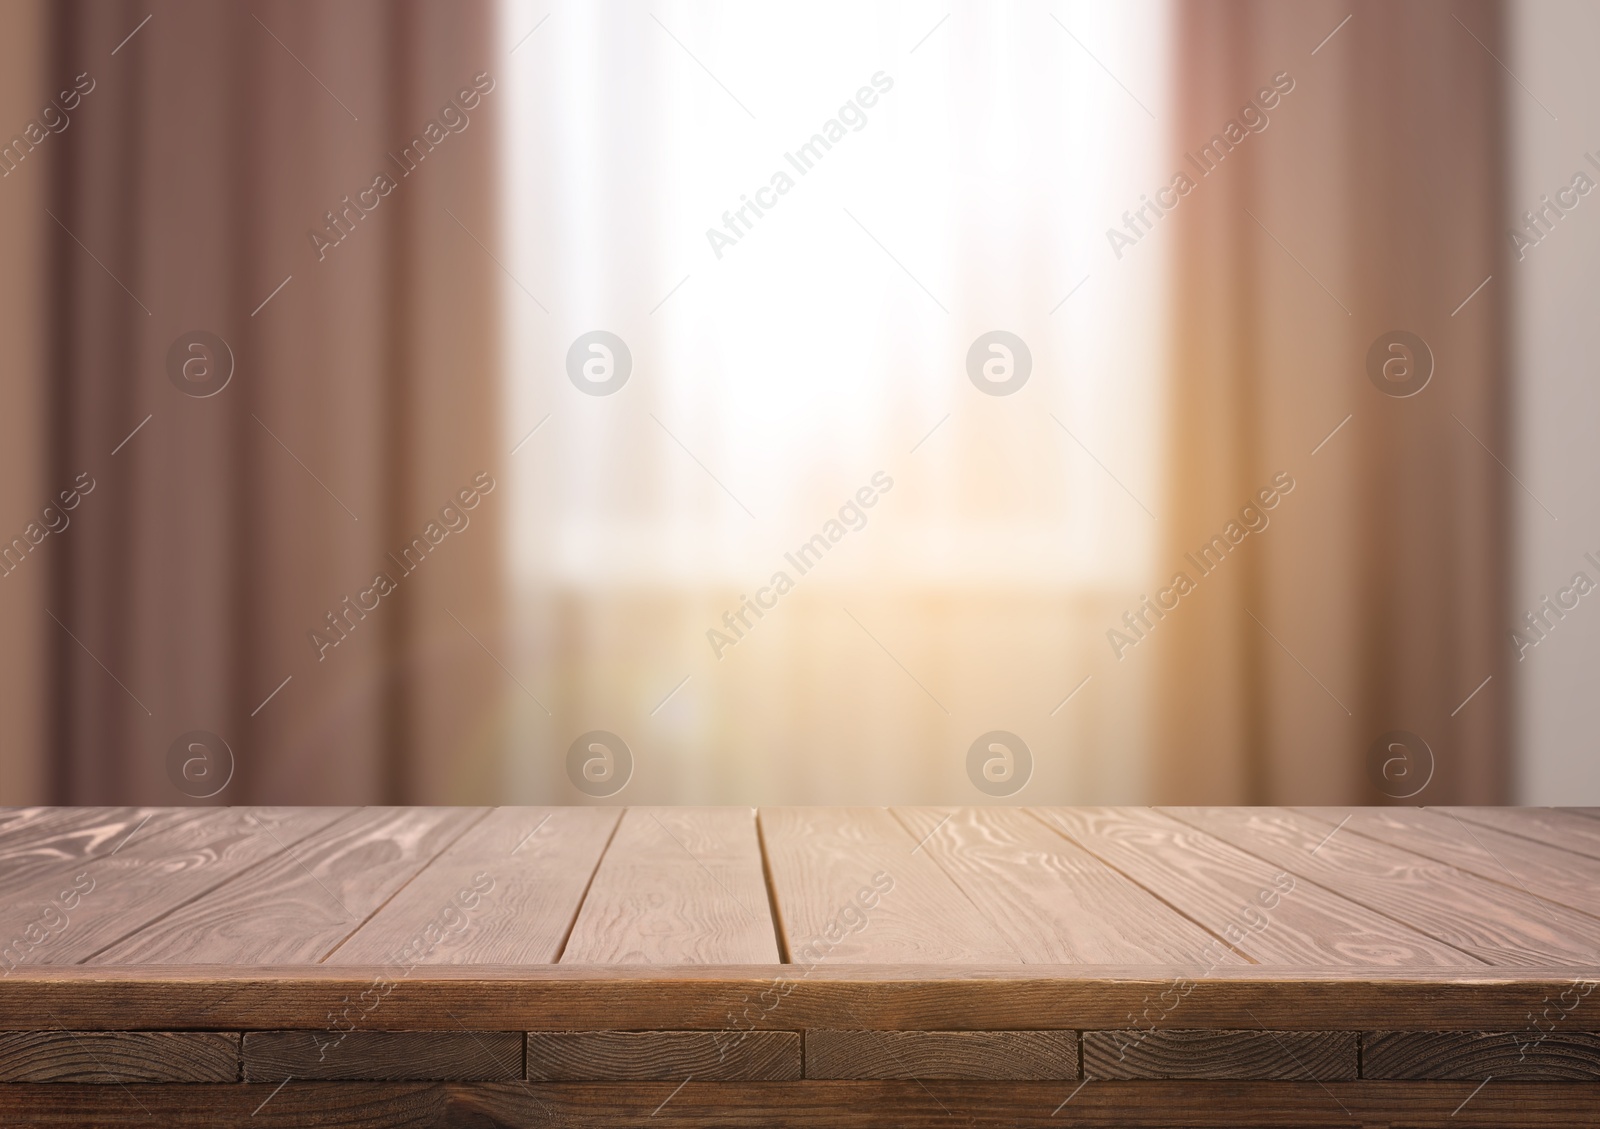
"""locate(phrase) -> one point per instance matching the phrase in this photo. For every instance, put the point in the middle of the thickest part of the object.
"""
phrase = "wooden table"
(800, 966)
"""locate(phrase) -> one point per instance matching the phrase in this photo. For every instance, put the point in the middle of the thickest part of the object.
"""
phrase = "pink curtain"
(265, 359)
(1337, 239)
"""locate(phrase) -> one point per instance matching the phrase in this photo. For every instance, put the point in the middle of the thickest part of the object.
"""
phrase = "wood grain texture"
(678, 886)
(903, 997)
(1498, 924)
(1555, 827)
(56, 842)
(850, 885)
(1242, 898)
(28, 827)
(16, 817)
(103, 1057)
(810, 1105)
(23, 824)
(455, 1055)
(1536, 868)
(1293, 1056)
(506, 892)
(1528, 1055)
(973, 1055)
(298, 905)
(154, 872)
(644, 1056)
(1053, 901)
(927, 952)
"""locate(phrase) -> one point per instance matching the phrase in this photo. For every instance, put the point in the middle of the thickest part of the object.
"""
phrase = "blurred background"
(710, 403)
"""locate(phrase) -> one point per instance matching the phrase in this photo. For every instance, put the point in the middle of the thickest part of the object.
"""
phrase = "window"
(799, 222)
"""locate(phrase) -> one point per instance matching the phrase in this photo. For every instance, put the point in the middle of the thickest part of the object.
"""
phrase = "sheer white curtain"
(974, 159)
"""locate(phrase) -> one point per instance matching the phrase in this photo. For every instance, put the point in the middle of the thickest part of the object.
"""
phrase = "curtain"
(256, 495)
(1365, 207)
(303, 561)
(24, 768)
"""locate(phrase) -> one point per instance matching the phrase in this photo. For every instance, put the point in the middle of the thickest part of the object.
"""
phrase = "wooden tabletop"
(870, 917)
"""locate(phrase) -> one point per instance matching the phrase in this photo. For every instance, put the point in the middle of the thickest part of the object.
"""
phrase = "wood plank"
(1497, 924)
(915, 997)
(59, 841)
(1527, 1055)
(644, 1056)
(1294, 1056)
(117, 892)
(301, 903)
(506, 892)
(1052, 900)
(456, 1055)
(28, 826)
(1541, 870)
(101, 1057)
(850, 885)
(1246, 900)
(1567, 830)
(15, 820)
(808, 1105)
(678, 886)
(977, 1055)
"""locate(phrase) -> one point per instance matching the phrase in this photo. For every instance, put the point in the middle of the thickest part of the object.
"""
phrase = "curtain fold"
(271, 349)
(1366, 206)
(24, 413)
